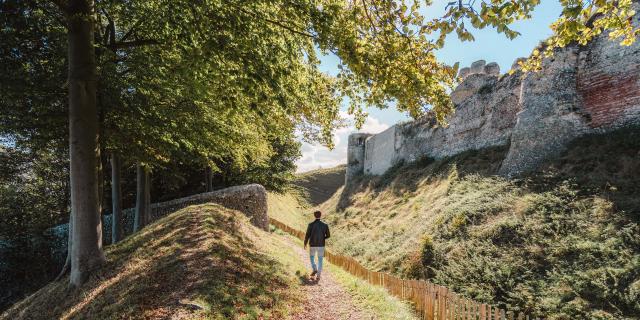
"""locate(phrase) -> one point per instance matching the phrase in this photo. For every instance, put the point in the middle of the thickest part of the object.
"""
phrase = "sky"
(488, 45)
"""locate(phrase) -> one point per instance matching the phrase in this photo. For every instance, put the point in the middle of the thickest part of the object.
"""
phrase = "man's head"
(317, 214)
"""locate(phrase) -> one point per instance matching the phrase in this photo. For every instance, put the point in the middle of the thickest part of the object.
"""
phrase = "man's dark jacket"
(317, 232)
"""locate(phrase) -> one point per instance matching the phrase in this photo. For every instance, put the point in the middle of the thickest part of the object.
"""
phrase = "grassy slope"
(202, 261)
(562, 243)
(290, 208)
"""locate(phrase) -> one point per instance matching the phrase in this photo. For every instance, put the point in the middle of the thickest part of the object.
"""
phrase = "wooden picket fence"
(432, 301)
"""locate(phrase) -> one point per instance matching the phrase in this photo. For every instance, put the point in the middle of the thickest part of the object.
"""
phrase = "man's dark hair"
(317, 214)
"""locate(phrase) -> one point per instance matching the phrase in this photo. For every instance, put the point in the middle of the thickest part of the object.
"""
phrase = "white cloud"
(317, 156)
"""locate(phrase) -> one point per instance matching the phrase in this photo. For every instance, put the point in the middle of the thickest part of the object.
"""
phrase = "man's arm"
(327, 234)
(307, 235)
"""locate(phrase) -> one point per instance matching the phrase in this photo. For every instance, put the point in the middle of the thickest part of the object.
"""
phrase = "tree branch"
(366, 11)
(130, 32)
(132, 44)
(277, 23)
(302, 33)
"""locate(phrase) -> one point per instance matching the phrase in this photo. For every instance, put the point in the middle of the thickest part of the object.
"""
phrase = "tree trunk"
(142, 198)
(116, 200)
(67, 262)
(100, 182)
(86, 251)
(147, 195)
(208, 179)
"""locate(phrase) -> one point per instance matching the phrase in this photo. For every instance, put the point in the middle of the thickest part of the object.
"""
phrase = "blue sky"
(488, 45)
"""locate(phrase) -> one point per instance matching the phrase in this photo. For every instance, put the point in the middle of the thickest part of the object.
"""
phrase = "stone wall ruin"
(580, 90)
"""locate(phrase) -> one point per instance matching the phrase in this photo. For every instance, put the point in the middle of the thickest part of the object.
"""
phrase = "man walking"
(317, 232)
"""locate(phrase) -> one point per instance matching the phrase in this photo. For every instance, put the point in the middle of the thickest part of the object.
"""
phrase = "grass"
(372, 298)
(560, 243)
(290, 208)
(200, 262)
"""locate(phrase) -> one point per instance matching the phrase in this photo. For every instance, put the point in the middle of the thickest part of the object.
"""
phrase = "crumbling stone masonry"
(580, 90)
(355, 154)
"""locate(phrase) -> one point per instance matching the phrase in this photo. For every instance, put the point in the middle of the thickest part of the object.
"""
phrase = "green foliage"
(222, 80)
(34, 192)
(34, 195)
(33, 103)
(275, 174)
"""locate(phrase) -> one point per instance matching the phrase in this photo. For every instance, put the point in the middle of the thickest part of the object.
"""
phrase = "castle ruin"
(580, 90)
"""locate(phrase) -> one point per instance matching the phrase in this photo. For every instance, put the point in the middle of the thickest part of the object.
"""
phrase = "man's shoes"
(318, 278)
(314, 273)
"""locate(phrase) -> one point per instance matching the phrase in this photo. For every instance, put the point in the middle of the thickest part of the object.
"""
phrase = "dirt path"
(327, 299)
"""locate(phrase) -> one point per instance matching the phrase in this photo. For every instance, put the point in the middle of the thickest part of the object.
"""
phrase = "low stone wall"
(249, 199)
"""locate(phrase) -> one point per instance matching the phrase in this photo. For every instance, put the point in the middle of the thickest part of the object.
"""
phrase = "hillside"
(560, 243)
(202, 261)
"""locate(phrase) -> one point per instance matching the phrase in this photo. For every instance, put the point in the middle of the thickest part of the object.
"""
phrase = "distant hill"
(319, 185)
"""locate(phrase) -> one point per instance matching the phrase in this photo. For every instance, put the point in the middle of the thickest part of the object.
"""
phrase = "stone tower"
(355, 155)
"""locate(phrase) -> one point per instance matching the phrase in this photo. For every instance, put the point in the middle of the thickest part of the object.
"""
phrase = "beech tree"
(86, 237)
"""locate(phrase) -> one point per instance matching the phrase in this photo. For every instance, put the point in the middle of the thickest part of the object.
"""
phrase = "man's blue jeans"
(313, 252)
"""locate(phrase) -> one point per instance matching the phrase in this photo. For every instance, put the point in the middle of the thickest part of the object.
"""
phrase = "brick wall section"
(607, 99)
(609, 83)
